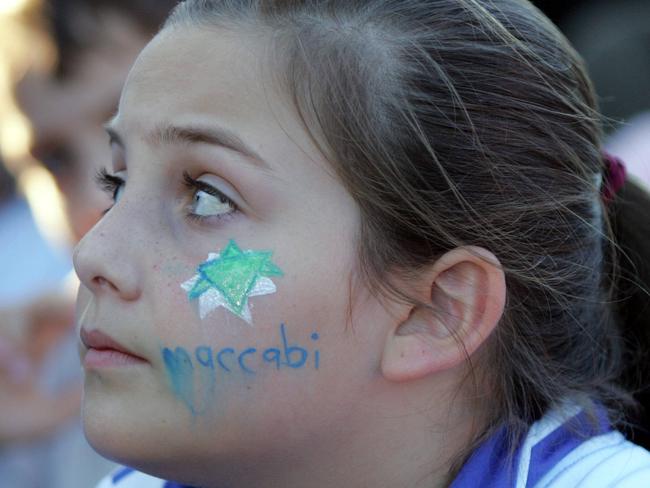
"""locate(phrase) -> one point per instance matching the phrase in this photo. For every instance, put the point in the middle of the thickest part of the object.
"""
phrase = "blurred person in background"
(66, 102)
(97, 41)
(7, 183)
(32, 405)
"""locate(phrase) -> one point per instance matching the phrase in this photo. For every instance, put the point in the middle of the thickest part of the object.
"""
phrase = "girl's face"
(214, 160)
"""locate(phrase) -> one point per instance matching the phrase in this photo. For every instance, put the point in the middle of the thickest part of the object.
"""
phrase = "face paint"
(230, 278)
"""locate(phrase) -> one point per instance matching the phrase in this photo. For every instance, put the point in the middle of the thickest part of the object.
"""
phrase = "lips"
(104, 351)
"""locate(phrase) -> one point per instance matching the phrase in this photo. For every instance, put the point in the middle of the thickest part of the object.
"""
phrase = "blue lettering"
(315, 337)
(227, 350)
(292, 350)
(272, 355)
(183, 377)
(242, 365)
(180, 370)
(203, 355)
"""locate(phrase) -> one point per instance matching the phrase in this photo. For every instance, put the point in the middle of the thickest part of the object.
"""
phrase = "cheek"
(316, 289)
(170, 272)
(309, 306)
(210, 362)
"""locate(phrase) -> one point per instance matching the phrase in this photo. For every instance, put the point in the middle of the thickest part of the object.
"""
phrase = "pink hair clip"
(613, 177)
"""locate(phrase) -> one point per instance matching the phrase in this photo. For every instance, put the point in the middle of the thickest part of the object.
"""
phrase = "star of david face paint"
(230, 278)
(222, 204)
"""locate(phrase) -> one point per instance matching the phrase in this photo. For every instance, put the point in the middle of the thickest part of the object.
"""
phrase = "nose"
(106, 259)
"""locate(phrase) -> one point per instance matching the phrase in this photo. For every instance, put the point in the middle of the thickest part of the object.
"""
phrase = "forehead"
(201, 73)
(219, 77)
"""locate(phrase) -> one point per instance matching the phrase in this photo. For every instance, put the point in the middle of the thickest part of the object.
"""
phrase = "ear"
(466, 292)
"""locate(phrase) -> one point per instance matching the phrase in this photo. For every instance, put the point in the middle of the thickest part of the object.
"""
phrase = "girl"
(355, 244)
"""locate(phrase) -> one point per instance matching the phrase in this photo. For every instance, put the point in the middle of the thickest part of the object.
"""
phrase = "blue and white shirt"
(130, 478)
(564, 449)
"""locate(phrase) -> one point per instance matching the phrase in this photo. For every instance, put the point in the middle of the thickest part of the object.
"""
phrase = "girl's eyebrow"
(194, 134)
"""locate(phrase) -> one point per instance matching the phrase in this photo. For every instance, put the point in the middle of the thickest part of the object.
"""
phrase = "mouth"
(102, 351)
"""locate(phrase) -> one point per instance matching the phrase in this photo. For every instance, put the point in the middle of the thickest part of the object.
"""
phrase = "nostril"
(103, 283)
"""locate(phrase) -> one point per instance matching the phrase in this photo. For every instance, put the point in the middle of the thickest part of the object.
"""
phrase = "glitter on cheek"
(228, 279)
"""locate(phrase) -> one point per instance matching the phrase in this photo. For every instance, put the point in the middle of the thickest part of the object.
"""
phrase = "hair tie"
(613, 176)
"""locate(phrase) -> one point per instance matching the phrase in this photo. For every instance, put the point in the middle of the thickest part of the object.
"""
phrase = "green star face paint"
(230, 278)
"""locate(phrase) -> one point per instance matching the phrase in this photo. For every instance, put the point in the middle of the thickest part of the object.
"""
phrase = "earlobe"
(465, 297)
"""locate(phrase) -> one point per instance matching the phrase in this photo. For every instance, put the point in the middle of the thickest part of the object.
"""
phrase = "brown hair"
(463, 122)
(630, 213)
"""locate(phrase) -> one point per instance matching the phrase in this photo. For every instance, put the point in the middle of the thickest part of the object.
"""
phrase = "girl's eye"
(204, 204)
(111, 184)
(207, 201)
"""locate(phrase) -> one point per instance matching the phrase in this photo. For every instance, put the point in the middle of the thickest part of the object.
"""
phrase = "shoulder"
(607, 460)
(567, 448)
(130, 478)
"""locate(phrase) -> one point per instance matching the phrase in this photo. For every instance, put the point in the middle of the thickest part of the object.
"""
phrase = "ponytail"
(630, 214)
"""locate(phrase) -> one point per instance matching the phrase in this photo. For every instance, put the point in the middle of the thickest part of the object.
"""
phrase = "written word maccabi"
(284, 355)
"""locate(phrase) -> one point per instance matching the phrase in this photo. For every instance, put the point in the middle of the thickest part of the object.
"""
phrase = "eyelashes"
(207, 202)
(199, 185)
(109, 184)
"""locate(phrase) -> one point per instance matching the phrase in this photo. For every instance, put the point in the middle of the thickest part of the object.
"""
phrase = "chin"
(134, 442)
(111, 431)
(151, 440)
(121, 428)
